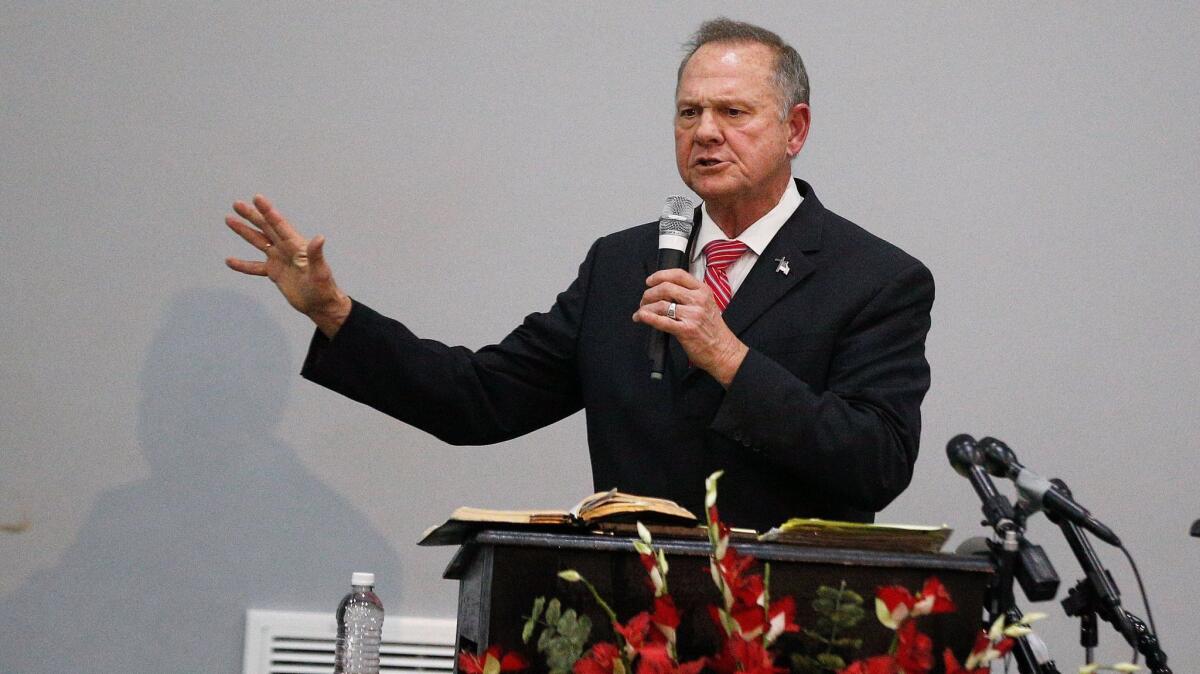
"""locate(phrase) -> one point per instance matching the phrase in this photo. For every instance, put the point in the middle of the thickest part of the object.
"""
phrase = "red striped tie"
(718, 255)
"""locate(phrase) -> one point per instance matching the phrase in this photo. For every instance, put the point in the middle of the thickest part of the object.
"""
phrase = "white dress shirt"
(756, 236)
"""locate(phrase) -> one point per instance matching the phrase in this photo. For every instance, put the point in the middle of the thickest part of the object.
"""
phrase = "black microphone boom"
(1002, 462)
(674, 232)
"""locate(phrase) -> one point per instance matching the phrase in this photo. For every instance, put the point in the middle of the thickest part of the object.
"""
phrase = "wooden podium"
(500, 572)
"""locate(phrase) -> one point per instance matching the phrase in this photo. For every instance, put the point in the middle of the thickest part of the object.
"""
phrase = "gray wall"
(1041, 159)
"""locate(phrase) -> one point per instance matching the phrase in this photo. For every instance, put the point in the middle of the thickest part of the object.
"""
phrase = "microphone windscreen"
(961, 451)
(675, 223)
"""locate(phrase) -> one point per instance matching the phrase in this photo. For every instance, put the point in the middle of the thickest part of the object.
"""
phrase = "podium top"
(764, 551)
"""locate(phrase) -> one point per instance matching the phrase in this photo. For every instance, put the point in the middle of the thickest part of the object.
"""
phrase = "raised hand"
(296, 265)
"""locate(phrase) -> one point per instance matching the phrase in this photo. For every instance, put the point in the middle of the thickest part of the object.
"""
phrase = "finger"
(663, 292)
(316, 250)
(252, 236)
(254, 268)
(248, 212)
(677, 276)
(252, 214)
(656, 319)
(274, 218)
(671, 292)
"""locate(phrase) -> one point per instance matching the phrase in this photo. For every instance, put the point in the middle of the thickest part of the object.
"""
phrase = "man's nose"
(709, 129)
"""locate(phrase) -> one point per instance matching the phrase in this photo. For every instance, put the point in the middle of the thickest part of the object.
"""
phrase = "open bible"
(610, 506)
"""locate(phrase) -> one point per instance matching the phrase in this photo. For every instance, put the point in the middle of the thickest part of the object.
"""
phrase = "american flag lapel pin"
(782, 268)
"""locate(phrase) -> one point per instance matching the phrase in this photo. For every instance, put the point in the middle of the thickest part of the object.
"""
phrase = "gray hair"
(790, 76)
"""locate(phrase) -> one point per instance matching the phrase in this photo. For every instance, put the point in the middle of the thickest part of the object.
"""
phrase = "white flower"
(644, 533)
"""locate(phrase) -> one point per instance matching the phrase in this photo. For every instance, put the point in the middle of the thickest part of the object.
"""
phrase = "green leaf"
(576, 631)
(849, 617)
(824, 606)
(553, 611)
(830, 593)
(831, 661)
(852, 611)
(847, 642)
(566, 621)
(491, 666)
(538, 605)
(803, 664)
(545, 638)
(561, 654)
(852, 597)
(821, 639)
(527, 630)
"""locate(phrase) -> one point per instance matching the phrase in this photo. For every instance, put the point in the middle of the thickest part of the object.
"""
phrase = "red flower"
(880, 664)
(750, 620)
(599, 660)
(665, 617)
(507, 662)
(734, 565)
(635, 632)
(657, 659)
(980, 657)
(934, 598)
(781, 618)
(914, 650)
(894, 604)
(747, 590)
(745, 657)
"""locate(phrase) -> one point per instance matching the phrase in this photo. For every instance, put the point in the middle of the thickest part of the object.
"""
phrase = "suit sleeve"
(858, 438)
(527, 381)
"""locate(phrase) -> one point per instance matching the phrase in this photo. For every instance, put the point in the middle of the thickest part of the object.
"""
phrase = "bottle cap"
(360, 578)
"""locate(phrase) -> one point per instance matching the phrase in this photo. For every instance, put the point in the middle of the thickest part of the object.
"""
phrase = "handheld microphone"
(966, 459)
(1039, 492)
(674, 232)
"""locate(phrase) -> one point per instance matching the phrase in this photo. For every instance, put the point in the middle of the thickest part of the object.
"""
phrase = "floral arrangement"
(750, 622)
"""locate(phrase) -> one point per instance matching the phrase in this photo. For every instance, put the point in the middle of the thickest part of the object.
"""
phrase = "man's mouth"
(708, 162)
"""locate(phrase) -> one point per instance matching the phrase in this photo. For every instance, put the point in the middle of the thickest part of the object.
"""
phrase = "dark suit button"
(746, 443)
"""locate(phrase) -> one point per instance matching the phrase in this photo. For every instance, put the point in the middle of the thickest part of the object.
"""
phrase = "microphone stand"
(1097, 596)
(1007, 554)
(1001, 601)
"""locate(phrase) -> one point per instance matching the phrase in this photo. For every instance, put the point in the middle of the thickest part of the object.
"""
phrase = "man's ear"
(799, 119)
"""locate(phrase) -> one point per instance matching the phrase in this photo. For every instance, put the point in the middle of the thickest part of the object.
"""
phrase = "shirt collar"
(757, 235)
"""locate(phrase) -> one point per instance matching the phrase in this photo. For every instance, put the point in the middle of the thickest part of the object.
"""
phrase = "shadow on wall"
(163, 570)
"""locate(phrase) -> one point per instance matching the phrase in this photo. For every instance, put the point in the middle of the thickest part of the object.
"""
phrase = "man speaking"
(796, 339)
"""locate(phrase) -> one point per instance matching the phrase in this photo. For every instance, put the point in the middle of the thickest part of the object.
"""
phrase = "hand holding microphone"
(674, 232)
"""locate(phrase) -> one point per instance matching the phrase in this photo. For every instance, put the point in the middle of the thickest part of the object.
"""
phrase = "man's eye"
(687, 113)
(734, 112)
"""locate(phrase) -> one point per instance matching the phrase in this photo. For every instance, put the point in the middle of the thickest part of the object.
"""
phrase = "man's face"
(731, 145)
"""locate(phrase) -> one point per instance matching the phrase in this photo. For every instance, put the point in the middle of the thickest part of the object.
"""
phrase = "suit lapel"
(766, 284)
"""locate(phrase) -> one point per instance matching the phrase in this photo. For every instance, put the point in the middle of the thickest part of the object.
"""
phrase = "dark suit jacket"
(821, 420)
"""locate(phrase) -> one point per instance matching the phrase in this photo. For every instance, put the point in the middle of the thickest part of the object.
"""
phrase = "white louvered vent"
(296, 642)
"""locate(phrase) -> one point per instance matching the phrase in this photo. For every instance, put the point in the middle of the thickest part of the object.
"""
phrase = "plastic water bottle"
(360, 627)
